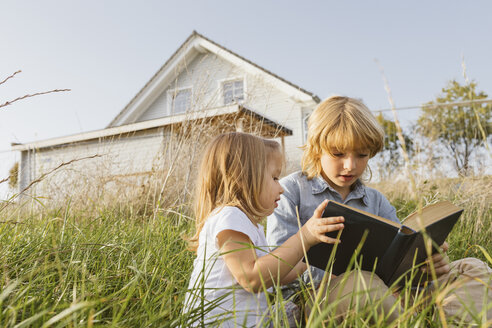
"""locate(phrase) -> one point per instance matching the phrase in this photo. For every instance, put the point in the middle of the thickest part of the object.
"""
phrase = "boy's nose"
(349, 163)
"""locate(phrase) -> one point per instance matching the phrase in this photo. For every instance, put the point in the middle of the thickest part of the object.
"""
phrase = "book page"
(430, 214)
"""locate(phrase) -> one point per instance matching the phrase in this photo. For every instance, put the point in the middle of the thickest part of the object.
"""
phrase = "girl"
(342, 136)
(238, 185)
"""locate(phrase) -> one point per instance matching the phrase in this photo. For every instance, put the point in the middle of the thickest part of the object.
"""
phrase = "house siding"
(136, 154)
(120, 156)
(206, 73)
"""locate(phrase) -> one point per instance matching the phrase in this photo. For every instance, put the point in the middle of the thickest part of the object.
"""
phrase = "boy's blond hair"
(339, 124)
(232, 173)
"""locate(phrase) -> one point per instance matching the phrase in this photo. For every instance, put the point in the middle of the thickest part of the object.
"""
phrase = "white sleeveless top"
(212, 284)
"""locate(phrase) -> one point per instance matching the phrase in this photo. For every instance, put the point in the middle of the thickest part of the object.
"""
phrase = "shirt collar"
(319, 185)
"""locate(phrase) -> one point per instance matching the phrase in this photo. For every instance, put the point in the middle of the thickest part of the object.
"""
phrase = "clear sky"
(106, 50)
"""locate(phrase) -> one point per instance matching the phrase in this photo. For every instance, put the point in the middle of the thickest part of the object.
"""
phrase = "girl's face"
(343, 169)
(271, 191)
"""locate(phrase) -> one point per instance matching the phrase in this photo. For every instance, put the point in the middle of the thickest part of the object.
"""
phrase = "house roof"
(232, 113)
(193, 45)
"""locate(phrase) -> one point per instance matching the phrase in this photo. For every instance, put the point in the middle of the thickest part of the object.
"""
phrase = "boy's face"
(342, 169)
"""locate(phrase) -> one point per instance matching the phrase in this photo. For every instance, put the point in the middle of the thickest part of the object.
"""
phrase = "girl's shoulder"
(227, 212)
(230, 218)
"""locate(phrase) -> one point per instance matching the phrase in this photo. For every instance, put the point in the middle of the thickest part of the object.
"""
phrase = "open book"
(389, 246)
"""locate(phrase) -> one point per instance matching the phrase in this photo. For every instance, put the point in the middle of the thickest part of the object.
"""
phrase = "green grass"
(107, 269)
(120, 267)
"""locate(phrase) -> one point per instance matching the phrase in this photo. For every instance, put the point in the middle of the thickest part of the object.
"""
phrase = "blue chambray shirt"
(306, 195)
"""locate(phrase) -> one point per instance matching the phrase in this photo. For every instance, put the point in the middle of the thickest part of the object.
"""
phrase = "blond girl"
(238, 185)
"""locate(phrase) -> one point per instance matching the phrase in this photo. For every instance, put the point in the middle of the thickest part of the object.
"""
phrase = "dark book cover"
(416, 253)
(388, 248)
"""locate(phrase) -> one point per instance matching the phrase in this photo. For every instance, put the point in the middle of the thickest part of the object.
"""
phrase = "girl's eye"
(363, 155)
(275, 179)
(338, 155)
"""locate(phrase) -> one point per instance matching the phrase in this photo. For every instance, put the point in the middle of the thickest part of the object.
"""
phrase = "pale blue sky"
(105, 51)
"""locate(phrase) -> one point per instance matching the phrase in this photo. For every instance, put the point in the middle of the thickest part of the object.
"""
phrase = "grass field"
(120, 266)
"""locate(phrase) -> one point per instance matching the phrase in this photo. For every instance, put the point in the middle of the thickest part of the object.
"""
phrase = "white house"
(202, 83)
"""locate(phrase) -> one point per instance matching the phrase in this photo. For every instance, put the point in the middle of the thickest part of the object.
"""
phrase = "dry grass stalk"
(10, 102)
(41, 178)
(482, 131)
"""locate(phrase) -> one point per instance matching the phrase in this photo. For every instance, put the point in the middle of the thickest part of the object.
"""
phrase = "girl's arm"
(253, 273)
(296, 272)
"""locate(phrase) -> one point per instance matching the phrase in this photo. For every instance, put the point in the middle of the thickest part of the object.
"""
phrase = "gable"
(202, 65)
(203, 77)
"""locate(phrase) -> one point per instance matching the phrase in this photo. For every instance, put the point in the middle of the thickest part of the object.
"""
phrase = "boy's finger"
(442, 270)
(332, 220)
(319, 210)
(436, 258)
(329, 240)
(332, 227)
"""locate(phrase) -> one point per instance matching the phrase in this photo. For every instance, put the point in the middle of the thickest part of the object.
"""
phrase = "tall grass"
(120, 267)
(66, 268)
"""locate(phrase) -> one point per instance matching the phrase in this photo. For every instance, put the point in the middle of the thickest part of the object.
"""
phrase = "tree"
(391, 156)
(458, 121)
(13, 176)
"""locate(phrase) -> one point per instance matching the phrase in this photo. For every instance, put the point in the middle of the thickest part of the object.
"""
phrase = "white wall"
(116, 158)
(138, 152)
(205, 74)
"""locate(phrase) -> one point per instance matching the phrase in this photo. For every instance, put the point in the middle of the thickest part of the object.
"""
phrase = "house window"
(180, 101)
(233, 92)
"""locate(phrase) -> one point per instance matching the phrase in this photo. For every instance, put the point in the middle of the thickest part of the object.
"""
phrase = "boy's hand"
(441, 262)
(316, 227)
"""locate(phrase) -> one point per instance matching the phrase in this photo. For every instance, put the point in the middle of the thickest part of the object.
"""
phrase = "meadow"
(126, 264)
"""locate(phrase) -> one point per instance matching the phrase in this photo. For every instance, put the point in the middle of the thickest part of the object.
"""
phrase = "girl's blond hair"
(339, 124)
(231, 174)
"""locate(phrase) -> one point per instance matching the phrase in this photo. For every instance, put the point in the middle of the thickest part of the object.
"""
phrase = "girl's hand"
(313, 232)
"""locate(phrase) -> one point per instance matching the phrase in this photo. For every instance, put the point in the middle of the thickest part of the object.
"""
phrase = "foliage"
(391, 155)
(460, 128)
(14, 176)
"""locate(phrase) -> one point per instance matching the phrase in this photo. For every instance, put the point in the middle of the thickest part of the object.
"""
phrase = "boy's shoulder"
(294, 178)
